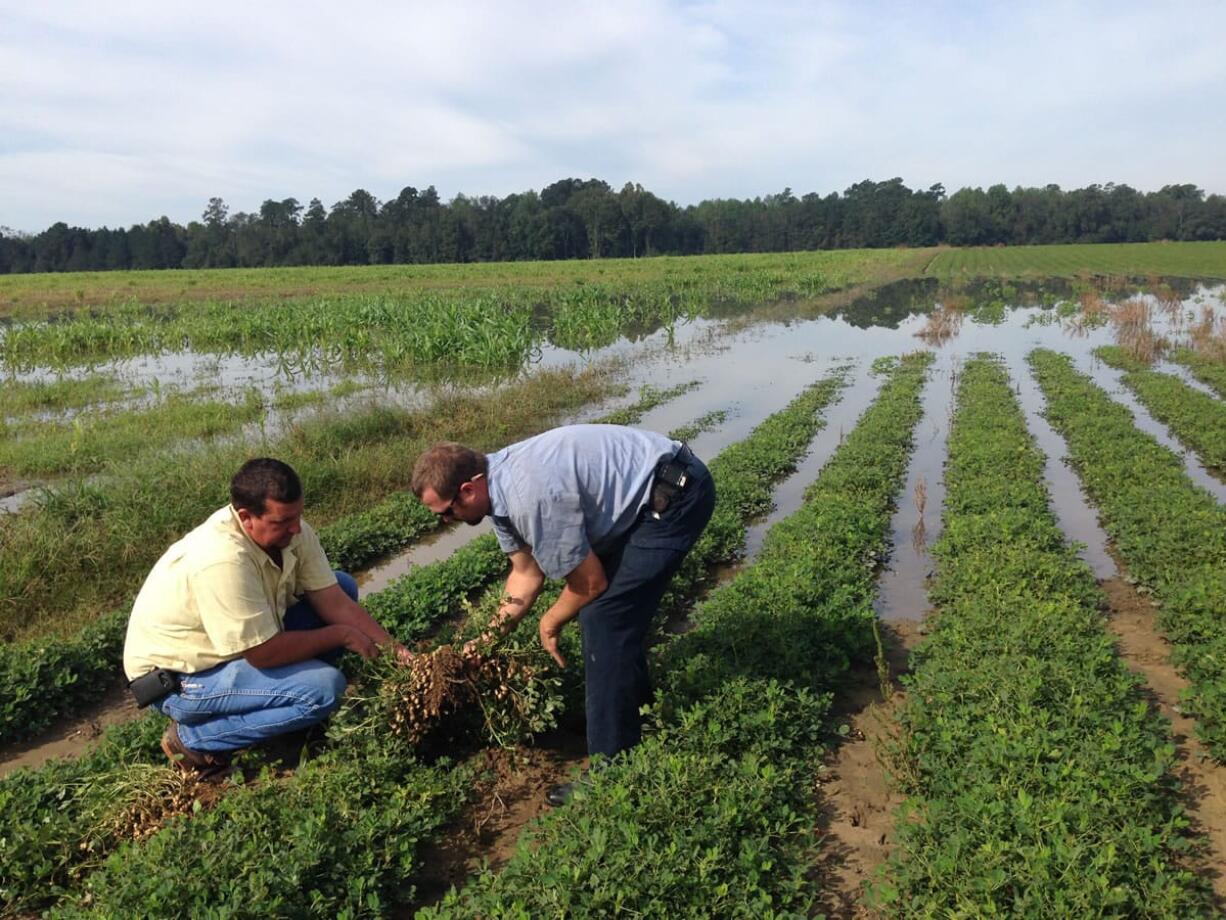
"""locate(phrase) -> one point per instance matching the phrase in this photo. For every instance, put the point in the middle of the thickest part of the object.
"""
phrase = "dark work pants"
(615, 625)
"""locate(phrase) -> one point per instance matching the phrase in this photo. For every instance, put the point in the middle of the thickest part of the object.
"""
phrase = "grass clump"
(19, 397)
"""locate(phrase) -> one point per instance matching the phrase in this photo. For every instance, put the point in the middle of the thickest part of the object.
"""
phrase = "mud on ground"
(511, 794)
(858, 798)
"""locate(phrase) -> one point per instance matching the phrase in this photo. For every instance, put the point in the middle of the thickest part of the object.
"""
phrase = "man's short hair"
(445, 467)
(262, 479)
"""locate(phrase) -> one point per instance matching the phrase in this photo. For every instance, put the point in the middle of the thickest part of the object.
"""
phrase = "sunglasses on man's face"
(448, 512)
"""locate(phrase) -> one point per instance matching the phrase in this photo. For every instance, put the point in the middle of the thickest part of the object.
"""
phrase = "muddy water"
(901, 587)
(858, 395)
(1073, 511)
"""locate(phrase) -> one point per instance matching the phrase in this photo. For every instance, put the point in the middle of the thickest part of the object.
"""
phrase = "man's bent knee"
(322, 688)
(348, 584)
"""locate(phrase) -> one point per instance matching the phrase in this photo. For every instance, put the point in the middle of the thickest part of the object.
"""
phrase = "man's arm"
(301, 644)
(524, 583)
(584, 584)
(337, 608)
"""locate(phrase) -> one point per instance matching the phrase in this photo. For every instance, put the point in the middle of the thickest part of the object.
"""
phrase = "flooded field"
(758, 370)
(849, 540)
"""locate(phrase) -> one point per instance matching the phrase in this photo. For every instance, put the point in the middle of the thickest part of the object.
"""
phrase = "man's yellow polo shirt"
(215, 594)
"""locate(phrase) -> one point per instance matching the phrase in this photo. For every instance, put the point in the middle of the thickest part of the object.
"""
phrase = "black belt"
(671, 478)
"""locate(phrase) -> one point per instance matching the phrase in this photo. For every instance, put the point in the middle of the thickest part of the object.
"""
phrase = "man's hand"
(403, 655)
(360, 643)
(551, 632)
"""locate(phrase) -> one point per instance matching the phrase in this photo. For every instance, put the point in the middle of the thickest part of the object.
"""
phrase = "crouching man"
(237, 629)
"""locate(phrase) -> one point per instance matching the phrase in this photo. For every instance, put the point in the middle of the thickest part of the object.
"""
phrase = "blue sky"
(120, 112)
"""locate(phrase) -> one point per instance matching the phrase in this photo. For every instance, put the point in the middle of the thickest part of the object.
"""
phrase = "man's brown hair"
(445, 467)
(262, 479)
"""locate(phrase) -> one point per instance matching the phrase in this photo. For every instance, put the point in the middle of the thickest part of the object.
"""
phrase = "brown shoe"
(208, 766)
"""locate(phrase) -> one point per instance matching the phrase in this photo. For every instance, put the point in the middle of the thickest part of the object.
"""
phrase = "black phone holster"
(670, 479)
(151, 687)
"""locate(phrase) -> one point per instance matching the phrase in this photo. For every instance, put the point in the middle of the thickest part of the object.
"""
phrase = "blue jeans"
(234, 705)
(615, 624)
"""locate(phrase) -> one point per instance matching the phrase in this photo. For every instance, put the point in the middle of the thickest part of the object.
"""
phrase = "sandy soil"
(1141, 645)
(858, 799)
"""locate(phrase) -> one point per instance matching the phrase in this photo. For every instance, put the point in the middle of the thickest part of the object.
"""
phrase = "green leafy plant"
(1041, 782)
(1171, 534)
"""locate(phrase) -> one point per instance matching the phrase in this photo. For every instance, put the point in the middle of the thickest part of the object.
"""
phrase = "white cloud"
(118, 113)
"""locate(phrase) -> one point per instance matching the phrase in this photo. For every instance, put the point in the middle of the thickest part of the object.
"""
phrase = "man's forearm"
(296, 645)
(518, 597)
(568, 605)
(357, 617)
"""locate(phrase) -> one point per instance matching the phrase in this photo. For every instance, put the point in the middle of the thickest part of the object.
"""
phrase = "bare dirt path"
(488, 831)
(71, 737)
(858, 798)
(1144, 650)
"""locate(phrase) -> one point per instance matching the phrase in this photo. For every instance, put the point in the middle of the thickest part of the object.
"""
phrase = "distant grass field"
(1185, 260)
(28, 296)
(35, 294)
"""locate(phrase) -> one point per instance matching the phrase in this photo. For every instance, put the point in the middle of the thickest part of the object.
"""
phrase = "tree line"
(576, 219)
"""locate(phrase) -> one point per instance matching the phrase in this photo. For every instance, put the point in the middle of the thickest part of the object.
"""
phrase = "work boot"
(211, 767)
(559, 795)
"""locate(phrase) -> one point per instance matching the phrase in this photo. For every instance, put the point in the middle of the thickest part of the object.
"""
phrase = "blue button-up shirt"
(572, 490)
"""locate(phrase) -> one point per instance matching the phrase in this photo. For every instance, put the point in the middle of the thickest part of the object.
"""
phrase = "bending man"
(611, 510)
(235, 633)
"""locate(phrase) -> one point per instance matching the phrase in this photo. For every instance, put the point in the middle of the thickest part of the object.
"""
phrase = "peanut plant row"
(1170, 533)
(1040, 780)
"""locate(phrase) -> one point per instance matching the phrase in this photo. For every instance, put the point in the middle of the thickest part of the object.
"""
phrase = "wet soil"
(858, 798)
(511, 794)
(73, 736)
(1145, 651)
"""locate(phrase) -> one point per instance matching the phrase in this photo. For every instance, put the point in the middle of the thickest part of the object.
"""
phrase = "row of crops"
(1041, 781)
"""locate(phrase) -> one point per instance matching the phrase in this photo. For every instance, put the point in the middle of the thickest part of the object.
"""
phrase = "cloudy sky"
(119, 112)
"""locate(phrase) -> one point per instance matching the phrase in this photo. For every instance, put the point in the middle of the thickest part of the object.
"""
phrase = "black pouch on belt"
(151, 687)
(671, 478)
